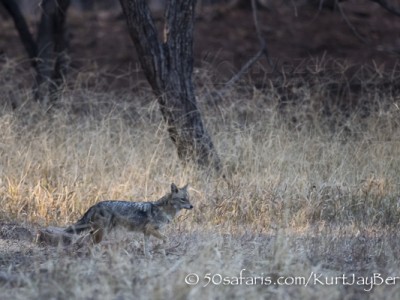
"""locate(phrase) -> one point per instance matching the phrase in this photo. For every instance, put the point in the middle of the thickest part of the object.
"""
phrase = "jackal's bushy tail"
(82, 224)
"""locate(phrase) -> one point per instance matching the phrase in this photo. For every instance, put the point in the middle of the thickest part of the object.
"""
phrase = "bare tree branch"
(351, 26)
(244, 69)
(388, 7)
(255, 58)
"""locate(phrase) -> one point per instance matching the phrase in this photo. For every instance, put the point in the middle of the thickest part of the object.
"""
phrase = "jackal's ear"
(174, 188)
(185, 187)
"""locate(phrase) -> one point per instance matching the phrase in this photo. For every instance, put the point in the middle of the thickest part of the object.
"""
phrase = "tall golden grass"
(312, 163)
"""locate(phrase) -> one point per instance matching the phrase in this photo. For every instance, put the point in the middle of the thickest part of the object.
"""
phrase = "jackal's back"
(135, 216)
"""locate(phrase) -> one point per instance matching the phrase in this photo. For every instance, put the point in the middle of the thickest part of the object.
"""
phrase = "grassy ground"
(310, 209)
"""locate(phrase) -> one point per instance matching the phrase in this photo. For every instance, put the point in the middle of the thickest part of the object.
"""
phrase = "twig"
(386, 6)
(255, 58)
(246, 67)
(352, 28)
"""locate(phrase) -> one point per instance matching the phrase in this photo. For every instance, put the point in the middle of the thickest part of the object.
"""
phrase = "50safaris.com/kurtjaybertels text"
(376, 279)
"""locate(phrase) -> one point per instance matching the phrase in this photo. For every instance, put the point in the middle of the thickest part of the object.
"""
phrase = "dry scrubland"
(313, 162)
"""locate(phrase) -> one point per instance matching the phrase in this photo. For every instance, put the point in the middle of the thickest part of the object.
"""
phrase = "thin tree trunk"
(62, 60)
(168, 66)
(52, 61)
(22, 28)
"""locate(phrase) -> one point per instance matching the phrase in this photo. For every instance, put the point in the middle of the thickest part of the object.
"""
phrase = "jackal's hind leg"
(101, 221)
(97, 234)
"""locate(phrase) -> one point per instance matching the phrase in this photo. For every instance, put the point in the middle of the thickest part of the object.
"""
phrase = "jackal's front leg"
(151, 230)
(146, 245)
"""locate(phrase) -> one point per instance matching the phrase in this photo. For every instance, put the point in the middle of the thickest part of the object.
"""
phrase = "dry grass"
(313, 189)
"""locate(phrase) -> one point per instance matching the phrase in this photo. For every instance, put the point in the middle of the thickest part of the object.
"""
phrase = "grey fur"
(146, 217)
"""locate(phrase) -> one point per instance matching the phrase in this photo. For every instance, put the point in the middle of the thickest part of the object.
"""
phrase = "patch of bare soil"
(16, 248)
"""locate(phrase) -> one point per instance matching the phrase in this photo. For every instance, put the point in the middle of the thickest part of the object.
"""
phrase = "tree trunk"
(52, 59)
(22, 28)
(168, 66)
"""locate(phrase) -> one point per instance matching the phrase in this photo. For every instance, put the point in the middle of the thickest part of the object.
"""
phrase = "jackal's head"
(180, 197)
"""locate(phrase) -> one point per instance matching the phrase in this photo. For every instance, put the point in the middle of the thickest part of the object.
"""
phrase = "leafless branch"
(244, 69)
(351, 26)
(263, 51)
(388, 7)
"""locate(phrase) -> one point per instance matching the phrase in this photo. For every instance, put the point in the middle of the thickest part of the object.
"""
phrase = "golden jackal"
(147, 217)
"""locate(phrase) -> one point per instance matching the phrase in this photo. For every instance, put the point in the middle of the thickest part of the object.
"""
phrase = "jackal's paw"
(159, 249)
